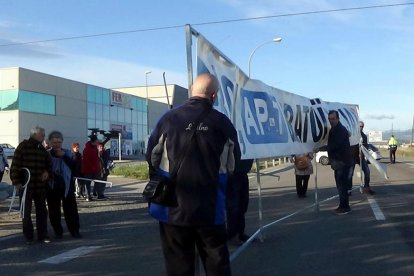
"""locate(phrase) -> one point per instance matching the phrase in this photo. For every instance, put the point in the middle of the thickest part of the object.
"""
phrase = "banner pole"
(316, 186)
(259, 193)
(189, 43)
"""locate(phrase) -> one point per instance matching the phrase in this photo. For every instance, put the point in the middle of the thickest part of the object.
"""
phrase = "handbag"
(161, 189)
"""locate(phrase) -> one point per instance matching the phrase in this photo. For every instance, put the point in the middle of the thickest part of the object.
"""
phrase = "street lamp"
(146, 96)
(277, 39)
(259, 188)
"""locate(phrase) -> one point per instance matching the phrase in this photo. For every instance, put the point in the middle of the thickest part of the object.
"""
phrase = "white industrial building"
(29, 98)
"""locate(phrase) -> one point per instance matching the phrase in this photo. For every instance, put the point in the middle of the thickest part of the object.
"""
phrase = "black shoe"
(29, 241)
(58, 236)
(342, 210)
(244, 237)
(94, 194)
(45, 240)
(101, 197)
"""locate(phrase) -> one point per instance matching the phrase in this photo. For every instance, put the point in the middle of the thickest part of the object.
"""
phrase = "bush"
(138, 171)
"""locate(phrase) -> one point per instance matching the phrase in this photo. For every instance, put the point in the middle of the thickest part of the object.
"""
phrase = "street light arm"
(260, 45)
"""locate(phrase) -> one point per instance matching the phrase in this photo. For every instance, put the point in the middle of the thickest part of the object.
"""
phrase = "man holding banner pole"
(339, 151)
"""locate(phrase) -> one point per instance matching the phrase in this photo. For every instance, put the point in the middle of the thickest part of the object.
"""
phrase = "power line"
(208, 23)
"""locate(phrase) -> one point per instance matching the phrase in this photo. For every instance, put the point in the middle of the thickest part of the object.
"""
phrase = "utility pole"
(412, 133)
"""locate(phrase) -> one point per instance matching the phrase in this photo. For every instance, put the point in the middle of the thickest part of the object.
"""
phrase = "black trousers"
(38, 195)
(302, 184)
(55, 199)
(237, 201)
(179, 243)
(392, 155)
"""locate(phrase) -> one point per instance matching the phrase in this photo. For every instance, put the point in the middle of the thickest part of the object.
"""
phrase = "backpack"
(302, 162)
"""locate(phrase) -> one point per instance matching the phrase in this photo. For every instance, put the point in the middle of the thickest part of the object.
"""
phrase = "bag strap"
(187, 141)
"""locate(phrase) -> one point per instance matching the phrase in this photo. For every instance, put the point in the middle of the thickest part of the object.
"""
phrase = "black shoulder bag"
(161, 189)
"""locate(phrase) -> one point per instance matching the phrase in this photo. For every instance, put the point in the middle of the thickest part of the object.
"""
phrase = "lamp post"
(259, 188)
(277, 39)
(146, 96)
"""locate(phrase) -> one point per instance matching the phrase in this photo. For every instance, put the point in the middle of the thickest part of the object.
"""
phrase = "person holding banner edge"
(339, 151)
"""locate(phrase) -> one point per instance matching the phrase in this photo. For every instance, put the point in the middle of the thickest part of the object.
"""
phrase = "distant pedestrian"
(61, 191)
(339, 153)
(392, 147)
(77, 171)
(32, 155)
(4, 164)
(303, 170)
(209, 156)
(91, 166)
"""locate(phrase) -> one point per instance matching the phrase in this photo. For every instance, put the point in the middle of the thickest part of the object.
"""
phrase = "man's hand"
(45, 176)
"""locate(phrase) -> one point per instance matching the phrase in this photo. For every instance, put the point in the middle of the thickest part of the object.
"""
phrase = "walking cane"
(23, 199)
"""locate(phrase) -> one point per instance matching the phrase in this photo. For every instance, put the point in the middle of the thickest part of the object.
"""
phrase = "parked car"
(322, 156)
(8, 149)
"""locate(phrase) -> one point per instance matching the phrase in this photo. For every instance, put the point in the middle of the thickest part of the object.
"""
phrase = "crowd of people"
(53, 183)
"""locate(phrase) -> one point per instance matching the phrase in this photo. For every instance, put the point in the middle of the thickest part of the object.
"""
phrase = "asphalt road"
(119, 238)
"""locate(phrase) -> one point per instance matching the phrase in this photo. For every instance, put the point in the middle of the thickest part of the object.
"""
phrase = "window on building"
(90, 91)
(98, 95)
(37, 102)
(105, 96)
(91, 111)
(8, 100)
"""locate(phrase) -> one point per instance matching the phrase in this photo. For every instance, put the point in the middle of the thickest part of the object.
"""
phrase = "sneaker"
(342, 211)
(368, 191)
(89, 198)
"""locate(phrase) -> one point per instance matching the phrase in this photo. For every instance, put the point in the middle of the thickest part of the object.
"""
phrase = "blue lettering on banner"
(262, 119)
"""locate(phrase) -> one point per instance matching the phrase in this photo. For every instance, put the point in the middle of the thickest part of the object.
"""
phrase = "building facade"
(29, 98)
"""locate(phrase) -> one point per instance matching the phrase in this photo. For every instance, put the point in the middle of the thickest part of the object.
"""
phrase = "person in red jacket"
(91, 166)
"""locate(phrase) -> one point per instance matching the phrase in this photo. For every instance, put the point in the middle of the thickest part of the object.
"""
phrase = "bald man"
(209, 156)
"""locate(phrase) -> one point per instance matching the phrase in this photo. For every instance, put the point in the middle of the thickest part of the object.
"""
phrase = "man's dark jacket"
(339, 150)
(202, 177)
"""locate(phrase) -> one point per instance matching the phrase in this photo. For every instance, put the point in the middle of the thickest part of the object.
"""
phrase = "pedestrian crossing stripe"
(70, 255)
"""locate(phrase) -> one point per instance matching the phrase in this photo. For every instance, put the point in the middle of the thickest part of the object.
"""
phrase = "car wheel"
(324, 160)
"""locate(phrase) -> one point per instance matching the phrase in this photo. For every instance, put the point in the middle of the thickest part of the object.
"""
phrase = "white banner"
(381, 167)
(270, 122)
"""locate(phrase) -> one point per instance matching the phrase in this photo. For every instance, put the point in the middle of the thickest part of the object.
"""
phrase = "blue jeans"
(342, 184)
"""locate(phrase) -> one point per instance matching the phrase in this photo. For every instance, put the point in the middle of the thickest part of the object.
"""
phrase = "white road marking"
(376, 209)
(69, 255)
